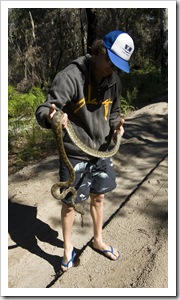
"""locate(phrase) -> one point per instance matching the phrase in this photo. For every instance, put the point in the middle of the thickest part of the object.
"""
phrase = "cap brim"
(119, 62)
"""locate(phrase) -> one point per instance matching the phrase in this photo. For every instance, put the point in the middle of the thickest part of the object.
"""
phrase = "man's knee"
(66, 208)
(97, 198)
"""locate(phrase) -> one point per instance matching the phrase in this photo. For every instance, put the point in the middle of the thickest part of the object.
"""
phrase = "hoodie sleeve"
(62, 90)
(115, 109)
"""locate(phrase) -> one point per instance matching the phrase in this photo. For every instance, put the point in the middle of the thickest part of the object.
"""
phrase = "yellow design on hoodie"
(94, 101)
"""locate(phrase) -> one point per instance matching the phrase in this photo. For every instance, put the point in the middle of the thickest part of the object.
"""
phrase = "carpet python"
(57, 129)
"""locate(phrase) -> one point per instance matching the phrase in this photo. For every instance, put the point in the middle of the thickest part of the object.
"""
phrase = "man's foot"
(107, 251)
(68, 260)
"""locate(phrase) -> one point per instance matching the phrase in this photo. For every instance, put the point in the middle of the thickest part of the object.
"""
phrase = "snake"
(56, 124)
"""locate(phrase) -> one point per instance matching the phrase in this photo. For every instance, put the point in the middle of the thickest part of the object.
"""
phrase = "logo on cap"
(128, 48)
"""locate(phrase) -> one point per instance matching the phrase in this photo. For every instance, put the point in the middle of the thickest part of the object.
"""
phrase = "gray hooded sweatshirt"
(93, 111)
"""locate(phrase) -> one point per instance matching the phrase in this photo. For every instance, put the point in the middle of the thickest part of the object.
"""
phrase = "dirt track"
(136, 218)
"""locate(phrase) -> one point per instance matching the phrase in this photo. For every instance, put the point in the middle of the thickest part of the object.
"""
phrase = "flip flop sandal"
(71, 260)
(112, 252)
(103, 252)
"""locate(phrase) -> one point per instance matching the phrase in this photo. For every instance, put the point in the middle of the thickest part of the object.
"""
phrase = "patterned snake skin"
(57, 129)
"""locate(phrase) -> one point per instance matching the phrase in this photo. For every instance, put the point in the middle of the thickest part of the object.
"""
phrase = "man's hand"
(120, 127)
(52, 112)
(64, 120)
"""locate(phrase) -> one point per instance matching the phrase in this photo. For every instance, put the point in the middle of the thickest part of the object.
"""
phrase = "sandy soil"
(135, 219)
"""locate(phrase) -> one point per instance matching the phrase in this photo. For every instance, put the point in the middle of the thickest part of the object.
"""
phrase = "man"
(88, 91)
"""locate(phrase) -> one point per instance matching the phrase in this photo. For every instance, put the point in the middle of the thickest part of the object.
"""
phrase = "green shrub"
(139, 87)
(125, 106)
(27, 141)
(24, 105)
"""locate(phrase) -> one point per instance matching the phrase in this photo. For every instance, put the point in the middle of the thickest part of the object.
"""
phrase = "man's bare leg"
(67, 217)
(97, 213)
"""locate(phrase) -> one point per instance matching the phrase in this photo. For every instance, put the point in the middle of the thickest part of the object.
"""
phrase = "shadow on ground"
(25, 228)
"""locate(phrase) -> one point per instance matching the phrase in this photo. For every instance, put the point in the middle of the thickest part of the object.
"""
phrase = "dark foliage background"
(43, 41)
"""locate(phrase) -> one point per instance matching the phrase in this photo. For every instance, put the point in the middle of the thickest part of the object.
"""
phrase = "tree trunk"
(164, 39)
(33, 27)
(91, 32)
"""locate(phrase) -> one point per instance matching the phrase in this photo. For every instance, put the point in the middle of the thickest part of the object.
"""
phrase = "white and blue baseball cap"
(120, 47)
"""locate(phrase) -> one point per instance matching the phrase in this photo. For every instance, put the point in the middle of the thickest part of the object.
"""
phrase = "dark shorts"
(97, 177)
